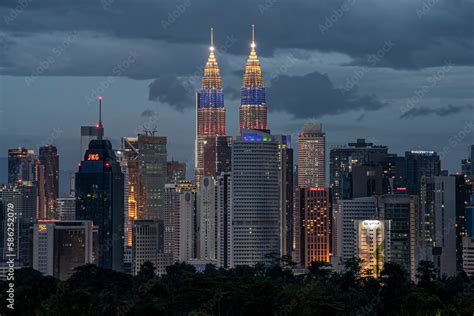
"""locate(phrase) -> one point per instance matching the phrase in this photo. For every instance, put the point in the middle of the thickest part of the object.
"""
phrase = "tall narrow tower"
(210, 112)
(253, 111)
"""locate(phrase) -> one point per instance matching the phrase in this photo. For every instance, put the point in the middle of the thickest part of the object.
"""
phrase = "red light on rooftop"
(97, 126)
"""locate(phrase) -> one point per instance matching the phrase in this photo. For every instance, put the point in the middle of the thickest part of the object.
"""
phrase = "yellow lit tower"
(253, 110)
(210, 114)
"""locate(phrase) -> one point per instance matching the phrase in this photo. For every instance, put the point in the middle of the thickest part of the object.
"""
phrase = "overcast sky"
(399, 73)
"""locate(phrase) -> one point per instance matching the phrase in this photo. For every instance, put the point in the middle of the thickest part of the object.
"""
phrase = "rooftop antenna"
(253, 36)
(100, 119)
(212, 37)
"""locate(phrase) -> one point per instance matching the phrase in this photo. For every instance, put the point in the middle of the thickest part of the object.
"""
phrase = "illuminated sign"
(371, 224)
(42, 228)
(401, 189)
(93, 157)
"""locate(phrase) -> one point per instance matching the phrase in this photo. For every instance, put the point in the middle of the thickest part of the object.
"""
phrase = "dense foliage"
(255, 290)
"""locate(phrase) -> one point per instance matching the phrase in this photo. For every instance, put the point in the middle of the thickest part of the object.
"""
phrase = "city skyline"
(311, 69)
(246, 157)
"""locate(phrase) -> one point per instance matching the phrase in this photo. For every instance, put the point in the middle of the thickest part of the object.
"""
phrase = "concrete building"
(148, 245)
(256, 199)
(372, 245)
(312, 225)
(61, 246)
(312, 157)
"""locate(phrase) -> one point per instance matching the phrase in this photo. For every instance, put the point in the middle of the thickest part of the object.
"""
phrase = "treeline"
(259, 290)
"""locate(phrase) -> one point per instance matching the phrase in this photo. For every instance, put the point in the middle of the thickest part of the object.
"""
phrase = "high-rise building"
(367, 180)
(210, 118)
(48, 156)
(287, 189)
(256, 199)
(469, 214)
(22, 197)
(223, 201)
(343, 159)
(394, 173)
(312, 225)
(253, 108)
(180, 221)
(176, 171)
(100, 198)
(420, 163)
(66, 208)
(312, 157)
(207, 219)
(148, 245)
(437, 224)
(402, 211)
(21, 165)
(346, 212)
(467, 164)
(153, 170)
(89, 133)
(463, 190)
(372, 245)
(468, 255)
(61, 246)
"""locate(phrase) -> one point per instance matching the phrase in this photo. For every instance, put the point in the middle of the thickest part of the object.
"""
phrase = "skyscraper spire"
(253, 111)
(210, 118)
(212, 77)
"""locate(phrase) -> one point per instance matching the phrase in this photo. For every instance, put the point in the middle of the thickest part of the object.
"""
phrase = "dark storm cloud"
(171, 90)
(314, 95)
(439, 111)
(426, 33)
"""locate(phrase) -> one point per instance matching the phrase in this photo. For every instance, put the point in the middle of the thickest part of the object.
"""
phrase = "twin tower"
(210, 120)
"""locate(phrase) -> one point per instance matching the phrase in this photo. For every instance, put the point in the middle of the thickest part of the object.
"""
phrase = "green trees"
(265, 290)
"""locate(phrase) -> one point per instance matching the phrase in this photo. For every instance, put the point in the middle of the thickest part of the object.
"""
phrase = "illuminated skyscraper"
(48, 155)
(210, 116)
(312, 157)
(255, 214)
(372, 244)
(100, 198)
(312, 225)
(253, 110)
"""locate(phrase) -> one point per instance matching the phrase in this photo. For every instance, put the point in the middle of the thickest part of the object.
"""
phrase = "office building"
(312, 225)
(61, 246)
(420, 163)
(437, 229)
(66, 208)
(287, 190)
(343, 159)
(48, 156)
(312, 157)
(148, 245)
(180, 221)
(100, 198)
(402, 211)
(468, 255)
(256, 199)
(367, 180)
(224, 220)
(346, 213)
(176, 171)
(372, 245)
(206, 213)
